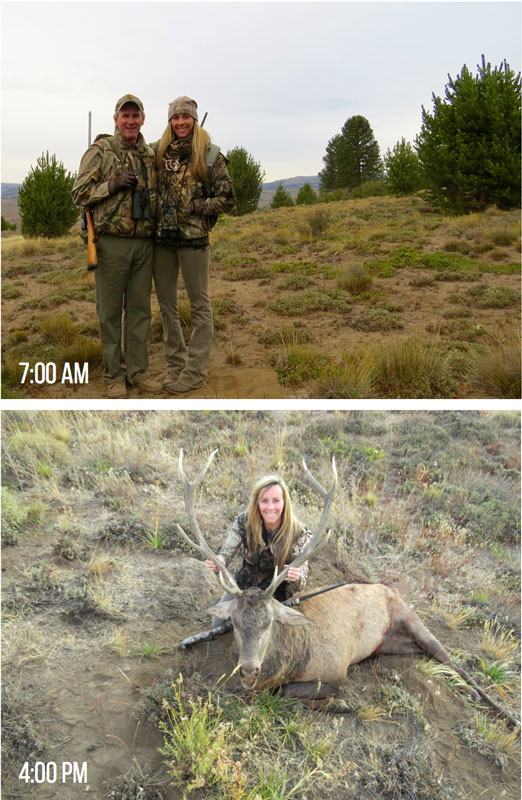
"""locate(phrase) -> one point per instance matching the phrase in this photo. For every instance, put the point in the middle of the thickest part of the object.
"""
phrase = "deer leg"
(316, 695)
(427, 641)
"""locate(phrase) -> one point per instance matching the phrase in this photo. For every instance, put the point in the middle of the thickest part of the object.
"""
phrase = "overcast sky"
(278, 78)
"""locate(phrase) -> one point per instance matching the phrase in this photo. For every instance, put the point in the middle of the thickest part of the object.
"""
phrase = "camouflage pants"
(123, 287)
(191, 361)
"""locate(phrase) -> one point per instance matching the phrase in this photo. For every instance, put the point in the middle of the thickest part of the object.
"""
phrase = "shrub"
(355, 279)
(58, 329)
(403, 168)
(411, 368)
(495, 372)
(377, 319)
(8, 226)
(287, 336)
(487, 297)
(247, 177)
(305, 196)
(44, 200)
(317, 222)
(469, 146)
(281, 198)
(350, 382)
(298, 364)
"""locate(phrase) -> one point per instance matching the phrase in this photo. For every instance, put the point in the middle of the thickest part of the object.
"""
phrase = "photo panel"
(323, 204)
(397, 673)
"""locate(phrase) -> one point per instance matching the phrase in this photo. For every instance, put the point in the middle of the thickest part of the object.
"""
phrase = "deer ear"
(288, 616)
(222, 610)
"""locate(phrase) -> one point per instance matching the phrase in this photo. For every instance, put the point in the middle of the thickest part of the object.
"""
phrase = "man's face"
(129, 121)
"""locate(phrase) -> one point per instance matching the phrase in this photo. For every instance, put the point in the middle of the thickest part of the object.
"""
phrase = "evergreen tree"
(351, 157)
(306, 196)
(469, 146)
(403, 168)
(329, 175)
(247, 177)
(44, 200)
(281, 198)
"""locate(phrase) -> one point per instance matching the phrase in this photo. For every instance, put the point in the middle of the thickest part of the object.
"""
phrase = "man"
(117, 179)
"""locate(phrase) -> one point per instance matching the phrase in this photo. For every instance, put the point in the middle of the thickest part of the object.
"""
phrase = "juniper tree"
(351, 157)
(469, 146)
(281, 198)
(404, 172)
(44, 200)
(247, 177)
(306, 196)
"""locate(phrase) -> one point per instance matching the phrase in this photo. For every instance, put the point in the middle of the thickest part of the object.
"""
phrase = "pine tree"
(469, 146)
(281, 198)
(247, 177)
(44, 200)
(351, 157)
(306, 196)
(403, 168)
(330, 175)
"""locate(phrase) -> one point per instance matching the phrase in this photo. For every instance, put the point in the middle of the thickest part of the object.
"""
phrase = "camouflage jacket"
(185, 213)
(257, 568)
(112, 214)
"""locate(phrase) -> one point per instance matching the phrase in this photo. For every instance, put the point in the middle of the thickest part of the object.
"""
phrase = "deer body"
(309, 653)
(332, 631)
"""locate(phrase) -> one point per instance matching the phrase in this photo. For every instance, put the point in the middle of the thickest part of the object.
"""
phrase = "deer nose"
(250, 676)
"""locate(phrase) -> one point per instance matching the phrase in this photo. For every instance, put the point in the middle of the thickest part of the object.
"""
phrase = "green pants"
(192, 361)
(123, 287)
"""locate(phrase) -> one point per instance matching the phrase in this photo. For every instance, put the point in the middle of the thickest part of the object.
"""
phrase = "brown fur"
(278, 646)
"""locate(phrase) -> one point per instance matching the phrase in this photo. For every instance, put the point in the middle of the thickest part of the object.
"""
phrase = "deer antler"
(226, 578)
(318, 540)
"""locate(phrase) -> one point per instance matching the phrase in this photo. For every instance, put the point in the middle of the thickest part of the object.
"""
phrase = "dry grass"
(499, 643)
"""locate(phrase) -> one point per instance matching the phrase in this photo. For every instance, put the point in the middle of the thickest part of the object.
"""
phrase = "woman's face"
(182, 125)
(271, 505)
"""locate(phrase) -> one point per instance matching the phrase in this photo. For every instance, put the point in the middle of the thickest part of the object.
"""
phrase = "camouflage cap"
(183, 105)
(128, 98)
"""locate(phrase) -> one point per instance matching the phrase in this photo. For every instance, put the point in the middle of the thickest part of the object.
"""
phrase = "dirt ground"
(253, 377)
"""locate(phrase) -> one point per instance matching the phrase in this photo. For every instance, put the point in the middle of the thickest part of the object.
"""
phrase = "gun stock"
(92, 256)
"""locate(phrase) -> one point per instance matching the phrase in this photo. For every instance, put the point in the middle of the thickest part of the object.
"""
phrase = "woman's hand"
(293, 574)
(211, 566)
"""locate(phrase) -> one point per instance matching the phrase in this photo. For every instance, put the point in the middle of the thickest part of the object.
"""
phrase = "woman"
(269, 535)
(189, 201)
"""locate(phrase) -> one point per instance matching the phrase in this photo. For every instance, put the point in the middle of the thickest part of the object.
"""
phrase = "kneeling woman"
(189, 201)
(269, 535)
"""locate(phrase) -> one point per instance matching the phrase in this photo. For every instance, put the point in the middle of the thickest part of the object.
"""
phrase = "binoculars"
(141, 208)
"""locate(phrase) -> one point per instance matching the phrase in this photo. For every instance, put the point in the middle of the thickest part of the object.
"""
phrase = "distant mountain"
(10, 190)
(294, 183)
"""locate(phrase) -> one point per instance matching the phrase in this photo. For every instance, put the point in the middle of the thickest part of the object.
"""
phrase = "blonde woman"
(268, 534)
(191, 195)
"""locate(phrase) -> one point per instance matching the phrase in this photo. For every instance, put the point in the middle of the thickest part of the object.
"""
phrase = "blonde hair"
(288, 533)
(200, 145)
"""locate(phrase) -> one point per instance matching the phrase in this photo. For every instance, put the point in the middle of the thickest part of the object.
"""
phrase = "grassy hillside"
(378, 297)
(98, 590)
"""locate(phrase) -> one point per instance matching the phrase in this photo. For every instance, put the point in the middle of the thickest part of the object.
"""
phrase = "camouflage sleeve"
(90, 186)
(299, 546)
(221, 189)
(232, 544)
